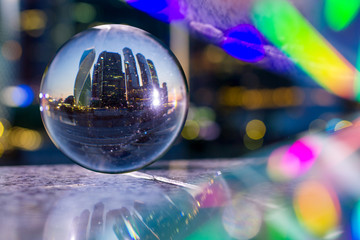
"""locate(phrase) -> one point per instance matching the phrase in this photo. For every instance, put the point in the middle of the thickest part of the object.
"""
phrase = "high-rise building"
(82, 88)
(131, 74)
(144, 70)
(111, 87)
(164, 93)
(108, 81)
(153, 73)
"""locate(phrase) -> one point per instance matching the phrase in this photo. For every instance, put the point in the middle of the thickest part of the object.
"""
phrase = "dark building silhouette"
(108, 88)
(164, 93)
(153, 73)
(144, 71)
(69, 100)
(131, 74)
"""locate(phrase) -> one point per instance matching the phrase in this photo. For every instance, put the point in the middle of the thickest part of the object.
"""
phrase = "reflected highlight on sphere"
(113, 99)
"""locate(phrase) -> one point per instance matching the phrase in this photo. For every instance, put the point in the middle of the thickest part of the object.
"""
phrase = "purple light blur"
(244, 42)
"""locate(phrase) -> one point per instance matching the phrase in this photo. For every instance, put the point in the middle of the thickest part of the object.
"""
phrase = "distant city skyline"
(64, 67)
(111, 85)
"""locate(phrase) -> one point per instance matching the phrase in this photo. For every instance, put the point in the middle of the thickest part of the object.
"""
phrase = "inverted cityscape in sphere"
(110, 87)
(119, 117)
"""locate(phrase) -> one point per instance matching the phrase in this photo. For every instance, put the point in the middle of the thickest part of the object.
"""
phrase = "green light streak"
(212, 229)
(281, 224)
(339, 13)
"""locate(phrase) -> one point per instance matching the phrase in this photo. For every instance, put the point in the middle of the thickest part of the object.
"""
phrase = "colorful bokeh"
(317, 207)
(288, 162)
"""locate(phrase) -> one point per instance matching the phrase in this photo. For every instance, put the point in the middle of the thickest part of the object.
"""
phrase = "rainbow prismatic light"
(284, 26)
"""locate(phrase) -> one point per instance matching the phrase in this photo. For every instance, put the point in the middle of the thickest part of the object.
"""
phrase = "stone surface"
(28, 194)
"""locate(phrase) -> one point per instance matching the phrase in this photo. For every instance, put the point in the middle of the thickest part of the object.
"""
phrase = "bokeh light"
(214, 54)
(321, 97)
(288, 162)
(275, 167)
(254, 99)
(2, 129)
(242, 219)
(2, 149)
(11, 50)
(317, 207)
(201, 124)
(33, 22)
(84, 12)
(331, 124)
(17, 96)
(342, 124)
(191, 130)
(317, 125)
(300, 157)
(255, 129)
(252, 144)
(209, 130)
(25, 139)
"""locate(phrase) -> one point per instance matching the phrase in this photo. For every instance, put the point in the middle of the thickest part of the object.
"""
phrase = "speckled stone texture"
(29, 193)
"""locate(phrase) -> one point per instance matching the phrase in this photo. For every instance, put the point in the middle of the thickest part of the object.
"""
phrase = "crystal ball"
(113, 99)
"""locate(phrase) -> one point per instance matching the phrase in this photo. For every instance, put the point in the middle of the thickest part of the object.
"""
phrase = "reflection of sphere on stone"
(113, 99)
(124, 213)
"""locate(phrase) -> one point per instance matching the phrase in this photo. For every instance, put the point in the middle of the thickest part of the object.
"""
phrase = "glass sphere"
(113, 99)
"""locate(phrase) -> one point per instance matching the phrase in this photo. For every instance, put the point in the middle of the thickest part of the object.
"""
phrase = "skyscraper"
(108, 81)
(131, 75)
(82, 88)
(144, 70)
(154, 76)
(113, 88)
(164, 93)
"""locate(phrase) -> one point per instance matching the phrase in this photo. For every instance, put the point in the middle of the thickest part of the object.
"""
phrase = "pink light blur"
(213, 195)
(288, 162)
(300, 157)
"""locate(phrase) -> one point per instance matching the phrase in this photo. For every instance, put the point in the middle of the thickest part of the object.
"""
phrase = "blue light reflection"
(163, 10)
(244, 42)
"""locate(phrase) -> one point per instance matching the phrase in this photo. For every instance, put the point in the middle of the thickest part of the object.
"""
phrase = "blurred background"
(237, 107)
